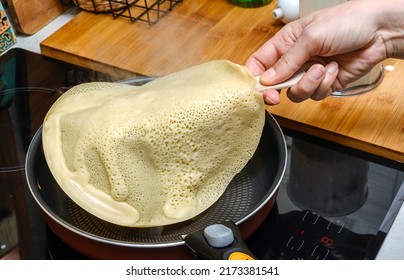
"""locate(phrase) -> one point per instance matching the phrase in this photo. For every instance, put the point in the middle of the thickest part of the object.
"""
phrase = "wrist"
(390, 22)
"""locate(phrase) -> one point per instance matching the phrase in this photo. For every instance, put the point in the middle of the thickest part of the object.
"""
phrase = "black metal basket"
(149, 11)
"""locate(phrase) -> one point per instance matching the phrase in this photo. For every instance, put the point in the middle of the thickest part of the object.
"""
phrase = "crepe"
(155, 154)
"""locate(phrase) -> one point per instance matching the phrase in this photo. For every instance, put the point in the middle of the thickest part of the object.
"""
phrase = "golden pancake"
(155, 154)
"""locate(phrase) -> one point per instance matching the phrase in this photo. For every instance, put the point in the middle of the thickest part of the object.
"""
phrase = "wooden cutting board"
(195, 31)
(372, 122)
(31, 16)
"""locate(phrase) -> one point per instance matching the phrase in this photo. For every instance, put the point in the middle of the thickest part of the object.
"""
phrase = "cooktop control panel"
(309, 236)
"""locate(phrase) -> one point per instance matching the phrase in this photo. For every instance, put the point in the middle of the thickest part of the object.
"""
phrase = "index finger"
(264, 57)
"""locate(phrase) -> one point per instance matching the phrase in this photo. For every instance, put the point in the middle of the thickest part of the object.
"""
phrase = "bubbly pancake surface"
(156, 154)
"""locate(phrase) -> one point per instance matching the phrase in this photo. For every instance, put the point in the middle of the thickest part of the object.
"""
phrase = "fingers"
(315, 84)
(274, 50)
(289, 62)
(271, 97)
(254, 66)
(325, 88)
(264, 57)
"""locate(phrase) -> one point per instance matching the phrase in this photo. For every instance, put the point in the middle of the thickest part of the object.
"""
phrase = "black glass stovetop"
(333, 202)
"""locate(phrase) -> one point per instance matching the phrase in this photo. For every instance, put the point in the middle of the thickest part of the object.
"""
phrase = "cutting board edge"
(29, 29)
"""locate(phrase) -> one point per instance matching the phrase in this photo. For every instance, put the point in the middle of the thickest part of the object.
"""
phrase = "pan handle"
(218, 242)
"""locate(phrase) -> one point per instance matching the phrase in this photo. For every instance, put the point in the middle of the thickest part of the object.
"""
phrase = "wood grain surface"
(372, 122)
(195, 31)
(31, 16)
(201, 30)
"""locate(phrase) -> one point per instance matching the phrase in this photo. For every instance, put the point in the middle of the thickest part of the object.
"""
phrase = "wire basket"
(101, 6)
(149, 11)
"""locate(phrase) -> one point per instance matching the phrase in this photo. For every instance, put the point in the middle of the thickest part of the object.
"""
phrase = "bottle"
(287, 10)
(250, 3)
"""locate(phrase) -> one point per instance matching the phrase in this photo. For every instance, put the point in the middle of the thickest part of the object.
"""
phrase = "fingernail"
(332, 67)
(316, 73)
(272, 98)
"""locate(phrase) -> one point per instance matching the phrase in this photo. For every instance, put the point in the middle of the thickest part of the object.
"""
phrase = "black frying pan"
(247, 201)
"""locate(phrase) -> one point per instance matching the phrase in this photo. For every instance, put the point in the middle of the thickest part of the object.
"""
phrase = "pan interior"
(247, 192)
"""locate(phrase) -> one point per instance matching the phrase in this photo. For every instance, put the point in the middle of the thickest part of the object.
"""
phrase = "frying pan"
(247, 201)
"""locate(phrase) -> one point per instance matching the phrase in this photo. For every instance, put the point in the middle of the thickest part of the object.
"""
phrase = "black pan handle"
(218, 242)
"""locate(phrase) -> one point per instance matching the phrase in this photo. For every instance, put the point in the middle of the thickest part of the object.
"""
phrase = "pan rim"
(280, 174)
(50, 214)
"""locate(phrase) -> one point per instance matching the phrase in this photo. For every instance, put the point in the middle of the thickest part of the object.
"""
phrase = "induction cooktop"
(333, 202)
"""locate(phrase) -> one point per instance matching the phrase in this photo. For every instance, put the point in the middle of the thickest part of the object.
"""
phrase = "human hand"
(341, 44)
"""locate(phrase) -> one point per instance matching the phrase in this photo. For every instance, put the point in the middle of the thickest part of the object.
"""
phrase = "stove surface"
(333, 203)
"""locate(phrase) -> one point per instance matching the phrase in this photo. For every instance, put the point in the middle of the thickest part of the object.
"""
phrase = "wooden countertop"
(372, 122)
(197, 31)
